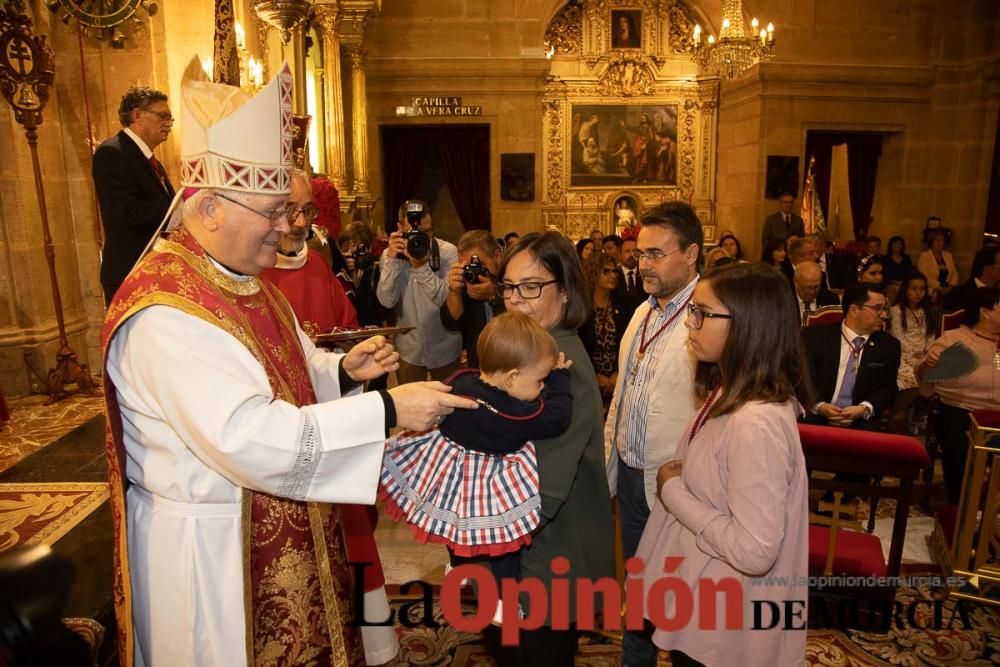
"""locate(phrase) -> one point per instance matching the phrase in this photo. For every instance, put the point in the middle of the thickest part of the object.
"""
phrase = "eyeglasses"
(273, 216)
(653, 255)
(529, 290)
(879, 309)
(309, 212)
(697, 315)
(165, 116)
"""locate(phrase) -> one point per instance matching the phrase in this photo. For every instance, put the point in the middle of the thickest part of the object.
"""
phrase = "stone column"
(359, 114)
(328, 19)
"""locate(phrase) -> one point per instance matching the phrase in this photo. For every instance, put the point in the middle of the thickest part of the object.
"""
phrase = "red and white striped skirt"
(475, 503)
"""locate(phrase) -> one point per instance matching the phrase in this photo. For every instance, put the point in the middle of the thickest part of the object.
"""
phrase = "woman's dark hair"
(866, 262)
(739, 247)
(555, 253)
(763, 358)
(904, 303)
(770, 248)
(902, 245)
(581, 244)
(931, 234)
(982, 297)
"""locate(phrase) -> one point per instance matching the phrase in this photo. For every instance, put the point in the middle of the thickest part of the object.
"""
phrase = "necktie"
(806, 309)
(787, 223)
(631, 281)
(158, 170)
(846, 396)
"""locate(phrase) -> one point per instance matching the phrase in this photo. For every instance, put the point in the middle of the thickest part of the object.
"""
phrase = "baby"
(472, 482)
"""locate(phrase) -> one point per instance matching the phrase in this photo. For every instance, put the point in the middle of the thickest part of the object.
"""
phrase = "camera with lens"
(418, 244)
(472, 271)
(362, 257)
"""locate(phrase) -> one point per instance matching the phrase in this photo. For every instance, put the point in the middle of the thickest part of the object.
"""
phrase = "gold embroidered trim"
(246, 528)
(204, 266)
(317, 514)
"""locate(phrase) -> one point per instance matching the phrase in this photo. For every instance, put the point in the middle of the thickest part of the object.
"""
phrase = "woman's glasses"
(697, 315)
(528, 290)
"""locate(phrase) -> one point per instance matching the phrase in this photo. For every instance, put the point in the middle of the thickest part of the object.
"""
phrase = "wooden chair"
(825, 315)
(951, 320)
(835, 550)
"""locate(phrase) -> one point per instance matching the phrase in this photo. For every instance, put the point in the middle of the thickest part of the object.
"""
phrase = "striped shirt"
(633, 404)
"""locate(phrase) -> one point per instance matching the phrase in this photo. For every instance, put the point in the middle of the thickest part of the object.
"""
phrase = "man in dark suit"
(985, 273)
(810, 295)
(132, 187)
(784, 223)
(629, 292)
(853, 364)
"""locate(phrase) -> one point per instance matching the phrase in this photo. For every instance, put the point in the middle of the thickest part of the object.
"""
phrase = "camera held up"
(418, 244)
(472, 271)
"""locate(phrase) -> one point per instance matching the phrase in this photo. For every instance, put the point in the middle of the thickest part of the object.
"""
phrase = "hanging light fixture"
(285, 15)
(734, 52)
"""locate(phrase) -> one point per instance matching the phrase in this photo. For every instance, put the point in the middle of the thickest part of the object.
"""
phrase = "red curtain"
(863, 153)
(404, 152)
(464, 151)
(465, 160)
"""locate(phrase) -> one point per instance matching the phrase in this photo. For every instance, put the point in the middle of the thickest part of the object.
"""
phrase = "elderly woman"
(977, 390)
(541, 278)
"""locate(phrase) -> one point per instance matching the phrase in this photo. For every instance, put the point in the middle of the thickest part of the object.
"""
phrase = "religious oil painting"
(517, 176)
(626, 27)
(623, 145)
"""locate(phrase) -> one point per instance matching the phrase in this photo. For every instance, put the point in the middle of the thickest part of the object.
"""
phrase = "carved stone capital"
(328, 18)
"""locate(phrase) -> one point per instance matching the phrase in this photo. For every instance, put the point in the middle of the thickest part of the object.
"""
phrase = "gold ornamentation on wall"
(627, 74)
(616, 78)
(565, 31)
(680, 27)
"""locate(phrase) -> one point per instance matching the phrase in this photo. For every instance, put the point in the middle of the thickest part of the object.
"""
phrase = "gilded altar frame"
(587, 73)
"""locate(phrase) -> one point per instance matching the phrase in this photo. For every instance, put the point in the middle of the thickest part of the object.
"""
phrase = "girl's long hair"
(763, 358)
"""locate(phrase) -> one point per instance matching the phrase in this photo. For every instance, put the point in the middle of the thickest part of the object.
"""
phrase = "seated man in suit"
(854, 363)
(132, 187)
(810, 295)
(985, 273)
(783, 223)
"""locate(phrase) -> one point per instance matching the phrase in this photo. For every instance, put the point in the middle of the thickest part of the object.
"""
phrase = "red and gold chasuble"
(297, 584)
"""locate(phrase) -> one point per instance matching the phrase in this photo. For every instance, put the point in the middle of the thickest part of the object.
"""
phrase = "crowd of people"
(534, 382)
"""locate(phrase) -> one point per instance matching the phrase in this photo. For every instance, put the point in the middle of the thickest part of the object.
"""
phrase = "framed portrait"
(517, 176)
(626, 29)
(782, 176)
(624, 213)
(623, 145)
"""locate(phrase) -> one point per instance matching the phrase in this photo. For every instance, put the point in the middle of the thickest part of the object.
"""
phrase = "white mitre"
(231, 140)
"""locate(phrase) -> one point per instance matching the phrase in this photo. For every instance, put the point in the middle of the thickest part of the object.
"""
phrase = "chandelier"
(735, 51)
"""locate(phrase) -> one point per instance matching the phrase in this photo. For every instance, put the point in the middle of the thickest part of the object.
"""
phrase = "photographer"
(414, 282)
(355, 242)
(472, 296)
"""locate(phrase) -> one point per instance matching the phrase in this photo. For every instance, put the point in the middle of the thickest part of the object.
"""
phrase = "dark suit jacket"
(774, 227)
(133, 203)
(629, 301)
(824, 297)
(876, 379)
(959, 295)
(836, 271)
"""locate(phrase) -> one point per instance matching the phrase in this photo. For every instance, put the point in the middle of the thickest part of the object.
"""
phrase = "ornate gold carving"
(685, 179)
(359, 116)
(627, 74)
(680, 27)
(565, 31)
(262, 32)
(554, 148)
(706, 153)
(328, 18)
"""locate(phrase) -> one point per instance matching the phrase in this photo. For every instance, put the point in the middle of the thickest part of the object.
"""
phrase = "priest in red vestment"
(316, 296)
